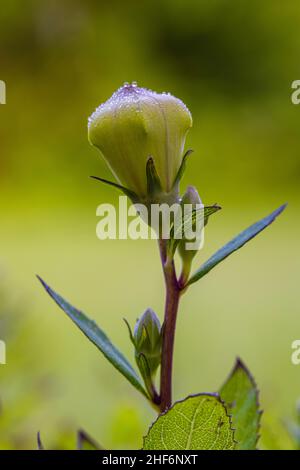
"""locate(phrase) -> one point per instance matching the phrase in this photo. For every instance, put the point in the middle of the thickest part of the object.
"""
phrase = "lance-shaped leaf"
(235, 244)
(240, 395)
(99, 338)
(198, 422)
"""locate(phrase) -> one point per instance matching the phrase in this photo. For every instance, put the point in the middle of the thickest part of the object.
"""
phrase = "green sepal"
(132, 196)
(145, 371)
(129, 331)
(153, 181)
(182, 167)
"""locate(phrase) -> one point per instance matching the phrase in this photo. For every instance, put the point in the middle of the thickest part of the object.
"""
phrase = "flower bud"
(134, 125)
(191, 201)
(147, 339)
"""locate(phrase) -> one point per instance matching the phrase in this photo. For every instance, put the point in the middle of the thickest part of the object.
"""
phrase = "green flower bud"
(134, 125)
(191, 198)
(147, 340)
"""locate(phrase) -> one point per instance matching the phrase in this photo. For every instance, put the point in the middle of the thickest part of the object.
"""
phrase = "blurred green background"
(232, 62)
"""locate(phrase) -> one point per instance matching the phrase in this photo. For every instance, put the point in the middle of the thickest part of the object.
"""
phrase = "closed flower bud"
(134, 125)
(190, 202)
(147, 340)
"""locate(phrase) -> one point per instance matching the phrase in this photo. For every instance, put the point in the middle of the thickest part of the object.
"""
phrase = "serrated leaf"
(99, 338)
(240, 395)
(86, 442)
(235, 244)
(199, 422)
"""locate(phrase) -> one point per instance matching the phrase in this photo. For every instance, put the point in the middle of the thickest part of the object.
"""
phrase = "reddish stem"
(169, 327)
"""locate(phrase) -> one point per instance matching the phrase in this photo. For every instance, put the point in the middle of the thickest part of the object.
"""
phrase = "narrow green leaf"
(99, 338)
(198, 422)
(240, 395)
(235, 244)
(86, 442)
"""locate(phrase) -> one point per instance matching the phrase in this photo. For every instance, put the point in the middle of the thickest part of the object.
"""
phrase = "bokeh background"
(232, 62)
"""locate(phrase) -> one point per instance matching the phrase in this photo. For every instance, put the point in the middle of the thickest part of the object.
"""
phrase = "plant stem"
(169, 326)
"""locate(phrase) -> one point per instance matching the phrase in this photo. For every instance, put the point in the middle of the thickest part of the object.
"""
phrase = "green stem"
(169, 327)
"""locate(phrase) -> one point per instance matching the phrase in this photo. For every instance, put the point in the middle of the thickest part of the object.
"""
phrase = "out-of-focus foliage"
(232, 62)
(18, 403)
(293, 427)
